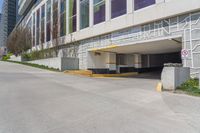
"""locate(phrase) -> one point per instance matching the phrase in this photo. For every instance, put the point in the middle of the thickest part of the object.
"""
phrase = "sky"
(1, 2)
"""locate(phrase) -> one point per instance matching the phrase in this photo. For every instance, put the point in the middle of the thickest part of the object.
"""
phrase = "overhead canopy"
(152, 47)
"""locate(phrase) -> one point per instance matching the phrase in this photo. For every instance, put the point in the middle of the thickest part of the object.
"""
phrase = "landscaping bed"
(34, 65)
(190, 87)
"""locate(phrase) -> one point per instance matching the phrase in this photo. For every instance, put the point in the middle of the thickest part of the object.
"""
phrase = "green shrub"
(6, 57)
(26, 56)
(36, 55)
(191, 87)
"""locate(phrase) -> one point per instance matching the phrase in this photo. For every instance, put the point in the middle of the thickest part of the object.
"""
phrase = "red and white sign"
(184, 53)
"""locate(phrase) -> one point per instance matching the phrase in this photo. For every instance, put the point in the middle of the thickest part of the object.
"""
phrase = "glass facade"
(62, 17)
(72, 16)
(38, 27)
(99, 11)
(48, 21)
(118, 8)
(84, 14)
(138, 4)
(56, 16)
(55, 19)
(42, 24)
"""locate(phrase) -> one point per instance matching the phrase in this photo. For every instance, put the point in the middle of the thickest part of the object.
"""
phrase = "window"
(99, 11)
(55, 19)
(143, 3)
(118, 8)
(84, 14)
(42, 23)
(63, 17)
(72, 16)
(38, 28)
(33, 29)
(48, 21)
(29, 24)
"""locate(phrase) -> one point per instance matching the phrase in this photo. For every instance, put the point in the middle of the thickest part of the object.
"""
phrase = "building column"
(78, 15)
(130, 6)
(111, 62)
(138, 61)
(160, 1)
(108, 10)
(91, 13)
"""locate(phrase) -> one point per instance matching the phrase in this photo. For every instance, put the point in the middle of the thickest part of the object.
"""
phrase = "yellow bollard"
(159, 87)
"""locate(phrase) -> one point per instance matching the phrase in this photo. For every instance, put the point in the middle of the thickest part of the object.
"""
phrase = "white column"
(91, 13)
(111, 61)
(78, 15)
(138, 61)
(130, 6)
(108, 10)
(160, 1)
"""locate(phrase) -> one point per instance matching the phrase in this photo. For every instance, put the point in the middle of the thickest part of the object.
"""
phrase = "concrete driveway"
(40, 101)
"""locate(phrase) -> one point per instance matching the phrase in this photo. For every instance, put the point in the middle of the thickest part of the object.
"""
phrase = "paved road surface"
(39, 101)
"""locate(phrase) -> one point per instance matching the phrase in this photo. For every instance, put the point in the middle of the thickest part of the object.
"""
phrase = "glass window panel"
(118, 8)
(38, 27)
(99, 11)
(84, 13)
(72, 16)
(33, 29)
(63, 17)
(143, 3)
(55, 19)
(48, 21)
(42, 23)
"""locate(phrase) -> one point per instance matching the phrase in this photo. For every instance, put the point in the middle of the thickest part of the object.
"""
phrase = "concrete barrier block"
(172, 77)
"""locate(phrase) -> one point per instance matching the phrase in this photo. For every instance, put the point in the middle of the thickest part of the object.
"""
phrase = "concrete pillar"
(91, 13)
(108, 10)
(160, 1)
(78, 15)
(138, 61)
(133, 5)
(111, 61)
(130, 6)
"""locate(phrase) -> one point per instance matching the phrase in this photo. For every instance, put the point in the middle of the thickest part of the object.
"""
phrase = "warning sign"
(184, 53)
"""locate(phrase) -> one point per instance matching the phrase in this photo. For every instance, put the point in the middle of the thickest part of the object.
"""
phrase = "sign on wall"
(184, 53)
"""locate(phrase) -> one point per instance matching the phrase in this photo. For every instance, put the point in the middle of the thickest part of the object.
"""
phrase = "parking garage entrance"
(140, 57)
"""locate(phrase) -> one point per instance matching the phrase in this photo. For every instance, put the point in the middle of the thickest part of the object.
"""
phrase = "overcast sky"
(1, 1)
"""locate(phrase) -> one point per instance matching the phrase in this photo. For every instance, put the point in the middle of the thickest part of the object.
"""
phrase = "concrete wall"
(15, 58)
(61, 63)
(172, 77)
(51, 62)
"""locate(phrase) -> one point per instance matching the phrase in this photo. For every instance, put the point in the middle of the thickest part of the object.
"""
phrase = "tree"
(19, 41)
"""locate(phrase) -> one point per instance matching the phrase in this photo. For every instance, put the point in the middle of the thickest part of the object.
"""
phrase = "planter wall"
(172, 77)
(61, 63)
